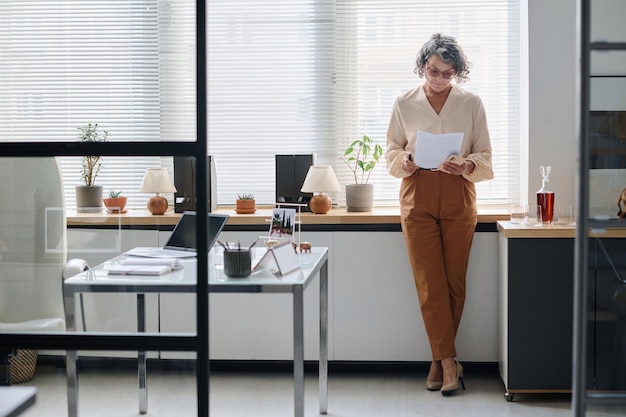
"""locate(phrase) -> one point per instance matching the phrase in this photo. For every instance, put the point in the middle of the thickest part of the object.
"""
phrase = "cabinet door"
(377, 315)
(607, 293)
(540, 305)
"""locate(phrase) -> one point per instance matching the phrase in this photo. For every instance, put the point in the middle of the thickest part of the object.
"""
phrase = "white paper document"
(145, 266)
(431, 149)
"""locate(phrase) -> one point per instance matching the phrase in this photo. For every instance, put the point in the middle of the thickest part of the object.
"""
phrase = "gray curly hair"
(446, 48)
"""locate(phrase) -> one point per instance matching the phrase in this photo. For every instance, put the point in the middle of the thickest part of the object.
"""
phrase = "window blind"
(284, 77)
(270, 89)
(66, 63)
(301, 76)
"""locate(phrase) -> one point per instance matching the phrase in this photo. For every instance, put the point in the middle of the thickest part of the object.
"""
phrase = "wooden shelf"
(386, 215)
(510, 230)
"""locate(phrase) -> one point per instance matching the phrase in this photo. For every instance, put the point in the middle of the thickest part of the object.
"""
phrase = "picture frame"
(283, 223)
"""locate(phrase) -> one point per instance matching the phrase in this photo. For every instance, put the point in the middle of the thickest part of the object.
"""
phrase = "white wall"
(552, 111)
(553, 92)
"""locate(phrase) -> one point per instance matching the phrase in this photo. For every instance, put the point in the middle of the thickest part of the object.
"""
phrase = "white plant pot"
(359, 197)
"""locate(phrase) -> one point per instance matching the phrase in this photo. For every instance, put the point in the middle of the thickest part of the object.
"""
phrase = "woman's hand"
(466, 167)
(408, 165)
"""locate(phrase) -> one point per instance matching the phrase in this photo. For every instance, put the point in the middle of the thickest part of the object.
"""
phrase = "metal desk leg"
(141, 355)
(5, 368)
(298, 351)
(72, 384)
(323, 363)
(70, 360)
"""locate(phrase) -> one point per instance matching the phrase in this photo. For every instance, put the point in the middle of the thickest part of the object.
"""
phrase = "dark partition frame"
(198, 149)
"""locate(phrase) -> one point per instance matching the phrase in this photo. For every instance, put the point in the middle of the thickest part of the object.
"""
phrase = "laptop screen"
(184, 235)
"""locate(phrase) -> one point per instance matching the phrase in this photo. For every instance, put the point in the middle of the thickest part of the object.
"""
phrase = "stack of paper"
(431, 150)
(145, 266)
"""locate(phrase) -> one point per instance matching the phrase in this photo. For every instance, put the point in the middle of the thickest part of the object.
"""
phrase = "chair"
(32, 248)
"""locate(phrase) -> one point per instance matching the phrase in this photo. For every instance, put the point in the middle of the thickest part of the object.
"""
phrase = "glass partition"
(65, 271)
(598, 374)
(607, 134)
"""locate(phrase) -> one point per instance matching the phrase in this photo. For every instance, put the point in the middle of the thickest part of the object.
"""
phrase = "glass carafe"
(545, 196)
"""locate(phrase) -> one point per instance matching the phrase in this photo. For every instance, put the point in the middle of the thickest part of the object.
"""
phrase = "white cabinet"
(373, 309)
(376, 309)
(376, 312)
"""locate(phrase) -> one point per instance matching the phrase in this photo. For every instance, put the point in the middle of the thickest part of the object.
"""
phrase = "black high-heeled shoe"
(454, 385)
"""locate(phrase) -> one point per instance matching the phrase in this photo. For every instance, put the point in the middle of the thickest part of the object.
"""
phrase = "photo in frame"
(283, 223)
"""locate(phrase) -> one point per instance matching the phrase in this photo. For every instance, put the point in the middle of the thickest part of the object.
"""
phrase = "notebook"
(145, 266)
(182, 242)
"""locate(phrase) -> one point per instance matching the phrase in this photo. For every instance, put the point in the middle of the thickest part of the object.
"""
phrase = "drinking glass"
(566, 215)
(532, 215)
(517, 215)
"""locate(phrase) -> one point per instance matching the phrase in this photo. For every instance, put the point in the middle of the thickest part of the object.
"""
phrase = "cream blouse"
(462, 112)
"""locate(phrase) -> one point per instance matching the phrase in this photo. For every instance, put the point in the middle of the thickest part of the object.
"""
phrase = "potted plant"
(245, 203)
(361, 157)
(89, 195)
(116, 202)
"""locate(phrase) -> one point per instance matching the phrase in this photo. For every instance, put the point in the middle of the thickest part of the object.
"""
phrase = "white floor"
(172, 393)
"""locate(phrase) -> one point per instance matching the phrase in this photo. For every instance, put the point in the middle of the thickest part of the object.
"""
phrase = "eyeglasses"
(435, 73)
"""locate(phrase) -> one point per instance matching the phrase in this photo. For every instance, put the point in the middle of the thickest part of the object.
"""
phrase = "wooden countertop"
(135, 217)
(510, 230)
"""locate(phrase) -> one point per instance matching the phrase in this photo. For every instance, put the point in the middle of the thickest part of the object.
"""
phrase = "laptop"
(182, 242)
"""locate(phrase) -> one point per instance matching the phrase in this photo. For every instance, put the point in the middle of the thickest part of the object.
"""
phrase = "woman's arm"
(480, 153)
(396, 155)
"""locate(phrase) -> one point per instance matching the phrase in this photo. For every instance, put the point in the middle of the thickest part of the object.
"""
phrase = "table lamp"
(157, 180)
(320, 179)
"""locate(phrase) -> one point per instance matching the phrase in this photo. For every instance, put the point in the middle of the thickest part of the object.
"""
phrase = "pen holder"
(237, 263)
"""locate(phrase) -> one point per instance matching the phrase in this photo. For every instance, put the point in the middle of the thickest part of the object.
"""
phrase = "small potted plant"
(116, 202)
(361, 157)
(89, 195)
(245, 203)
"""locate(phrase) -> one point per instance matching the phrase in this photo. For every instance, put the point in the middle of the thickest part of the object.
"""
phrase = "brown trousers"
(438, 214)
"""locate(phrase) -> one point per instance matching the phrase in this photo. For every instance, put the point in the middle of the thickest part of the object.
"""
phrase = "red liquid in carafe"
(546, 201)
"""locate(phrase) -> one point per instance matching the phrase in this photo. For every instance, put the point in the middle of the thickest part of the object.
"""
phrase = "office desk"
(184, 280)
(15, 400)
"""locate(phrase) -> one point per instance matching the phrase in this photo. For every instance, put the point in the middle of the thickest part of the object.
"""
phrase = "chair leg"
(5, 368)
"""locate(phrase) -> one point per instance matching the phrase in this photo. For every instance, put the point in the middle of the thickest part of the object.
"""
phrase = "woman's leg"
(420, 205)
(458, 224)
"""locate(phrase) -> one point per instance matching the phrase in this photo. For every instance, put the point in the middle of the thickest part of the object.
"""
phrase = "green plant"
(245, 196)
(91, 164)
(362, 156)
(114, 194)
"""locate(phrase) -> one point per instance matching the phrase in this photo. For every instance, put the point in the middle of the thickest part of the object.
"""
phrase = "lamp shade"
(319, 179)
(157, 180)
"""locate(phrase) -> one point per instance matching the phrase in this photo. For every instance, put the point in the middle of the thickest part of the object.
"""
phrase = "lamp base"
(157, 205)
(320, 204)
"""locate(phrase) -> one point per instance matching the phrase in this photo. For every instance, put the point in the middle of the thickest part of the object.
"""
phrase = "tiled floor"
(112, 391)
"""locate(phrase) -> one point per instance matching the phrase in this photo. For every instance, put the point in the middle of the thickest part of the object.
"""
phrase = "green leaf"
(362, 155)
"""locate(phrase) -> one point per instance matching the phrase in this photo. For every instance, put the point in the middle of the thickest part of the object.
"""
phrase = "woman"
(438, 207)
